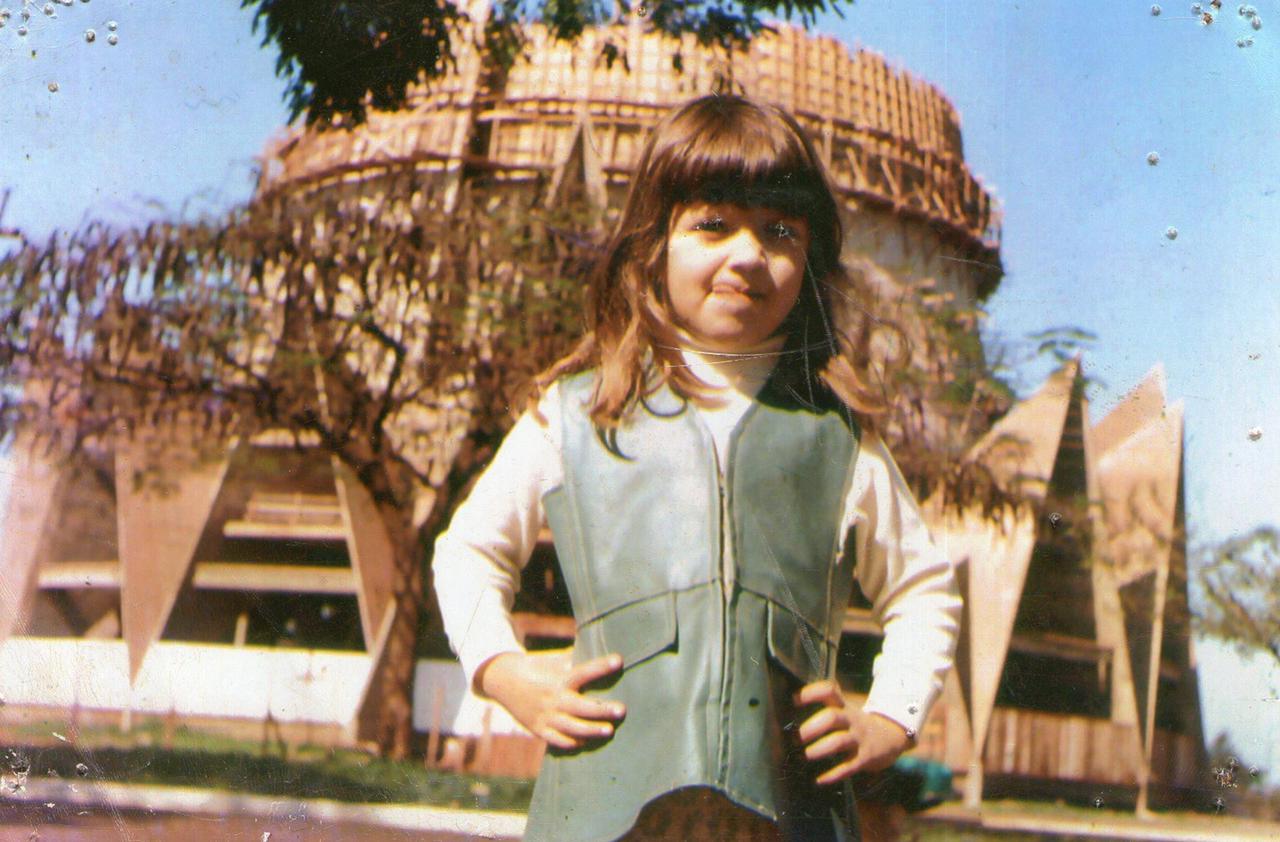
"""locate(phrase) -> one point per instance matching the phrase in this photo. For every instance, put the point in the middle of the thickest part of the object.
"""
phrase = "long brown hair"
(722, 148)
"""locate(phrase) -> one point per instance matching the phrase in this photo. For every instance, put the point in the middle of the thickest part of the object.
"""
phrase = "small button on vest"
(641, 523)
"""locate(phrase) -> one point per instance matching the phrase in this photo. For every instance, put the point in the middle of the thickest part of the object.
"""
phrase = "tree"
(1240, 591)
(340, 58)
(374, 324)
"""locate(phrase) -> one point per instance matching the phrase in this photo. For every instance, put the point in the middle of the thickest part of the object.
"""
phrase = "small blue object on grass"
(912, 783)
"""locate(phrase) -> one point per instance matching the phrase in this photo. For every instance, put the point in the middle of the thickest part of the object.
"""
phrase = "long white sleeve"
(478, 559)
(911, 587)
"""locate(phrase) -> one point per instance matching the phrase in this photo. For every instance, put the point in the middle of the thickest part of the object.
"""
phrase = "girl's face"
(734, 272)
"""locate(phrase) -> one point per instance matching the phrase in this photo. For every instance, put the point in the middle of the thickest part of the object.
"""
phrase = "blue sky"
(1061, 103)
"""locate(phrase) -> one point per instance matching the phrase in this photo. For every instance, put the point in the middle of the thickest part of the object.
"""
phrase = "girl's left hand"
(856, 740)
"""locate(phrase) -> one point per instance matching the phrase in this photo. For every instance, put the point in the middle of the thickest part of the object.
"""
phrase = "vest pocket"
(797, 646)
(636, 631)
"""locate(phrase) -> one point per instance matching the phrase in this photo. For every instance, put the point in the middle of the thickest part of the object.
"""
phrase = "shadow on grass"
(340, 775)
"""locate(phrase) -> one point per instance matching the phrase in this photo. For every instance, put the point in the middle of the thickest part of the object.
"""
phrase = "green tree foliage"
(1239, 584)
(340, 58)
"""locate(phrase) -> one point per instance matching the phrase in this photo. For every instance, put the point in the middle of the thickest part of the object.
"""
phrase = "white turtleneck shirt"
(479, 558)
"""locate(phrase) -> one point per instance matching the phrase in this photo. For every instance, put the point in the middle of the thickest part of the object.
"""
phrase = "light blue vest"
(638, 524)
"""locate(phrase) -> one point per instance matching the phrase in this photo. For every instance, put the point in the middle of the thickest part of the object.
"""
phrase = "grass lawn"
(196, 759)
(920, 832)
(184, 757)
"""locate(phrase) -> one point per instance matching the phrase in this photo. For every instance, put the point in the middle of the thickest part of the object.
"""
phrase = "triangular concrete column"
(995, 551)
(160, 519)
(372, 556)
(36, 485)
(1138, 464)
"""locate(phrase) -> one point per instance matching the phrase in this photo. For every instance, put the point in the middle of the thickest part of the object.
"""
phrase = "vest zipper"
(726, 629)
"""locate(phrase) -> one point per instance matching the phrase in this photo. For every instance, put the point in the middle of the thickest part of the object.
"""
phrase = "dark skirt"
(697, 813)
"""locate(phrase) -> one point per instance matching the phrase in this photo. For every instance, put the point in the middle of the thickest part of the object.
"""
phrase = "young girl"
(705, 462)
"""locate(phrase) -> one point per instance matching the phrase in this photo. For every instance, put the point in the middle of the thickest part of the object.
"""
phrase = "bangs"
(738, 153)
(722, 149)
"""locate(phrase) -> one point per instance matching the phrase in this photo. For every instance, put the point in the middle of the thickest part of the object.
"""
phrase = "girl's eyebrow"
(703, 210)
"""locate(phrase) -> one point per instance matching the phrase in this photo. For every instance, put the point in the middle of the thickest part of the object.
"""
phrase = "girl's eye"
(783, 231)
(711, 223)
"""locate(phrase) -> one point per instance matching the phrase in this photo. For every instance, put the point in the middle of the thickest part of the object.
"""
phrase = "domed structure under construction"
(563, 114)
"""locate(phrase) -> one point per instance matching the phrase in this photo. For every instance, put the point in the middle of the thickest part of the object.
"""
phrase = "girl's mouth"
(731, 289)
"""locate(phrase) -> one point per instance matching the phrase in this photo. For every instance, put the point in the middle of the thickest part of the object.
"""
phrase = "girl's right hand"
(541, 690)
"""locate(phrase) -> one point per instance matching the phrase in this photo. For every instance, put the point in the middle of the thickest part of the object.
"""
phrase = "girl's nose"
(747, 248)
